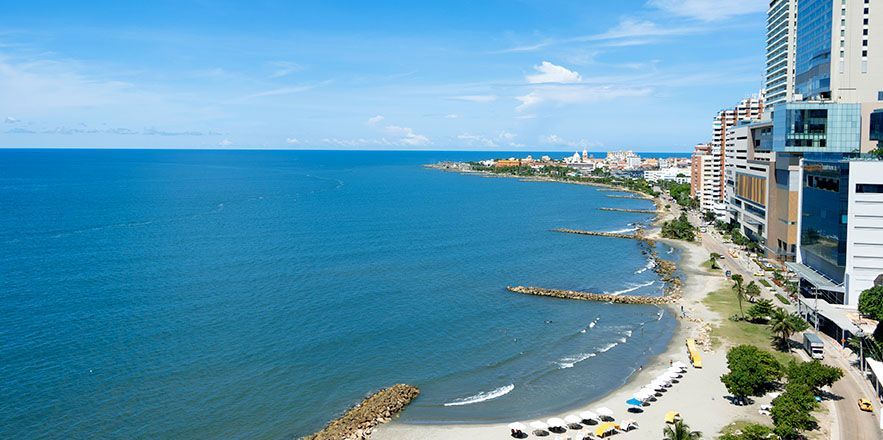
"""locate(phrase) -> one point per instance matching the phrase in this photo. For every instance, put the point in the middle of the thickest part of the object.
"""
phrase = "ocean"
(258, 294)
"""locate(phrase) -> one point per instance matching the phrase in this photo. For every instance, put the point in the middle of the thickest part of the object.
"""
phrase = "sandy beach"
(699, 397)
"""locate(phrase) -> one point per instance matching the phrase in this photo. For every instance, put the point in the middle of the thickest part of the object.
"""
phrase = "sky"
(508, 75)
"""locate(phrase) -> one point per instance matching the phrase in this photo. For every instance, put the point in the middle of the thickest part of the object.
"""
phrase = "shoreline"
(700, 414)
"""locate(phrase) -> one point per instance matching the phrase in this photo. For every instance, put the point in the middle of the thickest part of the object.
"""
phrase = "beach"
(699, 397)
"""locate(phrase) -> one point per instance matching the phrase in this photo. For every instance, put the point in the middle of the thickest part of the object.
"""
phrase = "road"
(851, 423)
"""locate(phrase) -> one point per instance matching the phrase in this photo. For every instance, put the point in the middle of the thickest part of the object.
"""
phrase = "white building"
(780, 49)
(679, 175)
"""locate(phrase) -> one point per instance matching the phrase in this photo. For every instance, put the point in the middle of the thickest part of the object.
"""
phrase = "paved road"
(851, 423)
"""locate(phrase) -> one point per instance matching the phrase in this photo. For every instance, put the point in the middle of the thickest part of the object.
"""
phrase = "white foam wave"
(482, 397)
(607, 347)
(632, 287)
(670, 250)
(650, 265)
(622, 231)
(659, 315)
(628, 333)
(570, 361)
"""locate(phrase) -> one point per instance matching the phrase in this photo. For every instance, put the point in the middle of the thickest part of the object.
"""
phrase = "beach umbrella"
(606, 428)
(536, 424)
(604, 412)
(680, 365)
(573, 420)
(672, 416)
(518, 426)
(634, 401)
(588, 415)
(630, 424)
(555, 422)
(675, 370)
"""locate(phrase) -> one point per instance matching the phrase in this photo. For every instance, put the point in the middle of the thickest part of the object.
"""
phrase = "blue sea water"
(258, 294)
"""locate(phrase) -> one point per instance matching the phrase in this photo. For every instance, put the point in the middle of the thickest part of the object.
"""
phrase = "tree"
(784, 325)
(713, 260)
(708, 216)
(761, 311)
(792, 411)
(814, 374)
(752, 290)
(679, 229)
(680, 431)
(739, 290)
(752, 371)
(753, 431)
(870, 303)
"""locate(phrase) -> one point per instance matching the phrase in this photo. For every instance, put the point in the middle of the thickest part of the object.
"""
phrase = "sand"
(699, 397)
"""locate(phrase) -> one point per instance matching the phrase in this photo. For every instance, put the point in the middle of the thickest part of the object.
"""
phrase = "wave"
(482, 397)
(632, 288)
(570, 361)
(590, 326)
(659, 315)
(650, 265)
(622, 231)
(670, 250)
(607, 347)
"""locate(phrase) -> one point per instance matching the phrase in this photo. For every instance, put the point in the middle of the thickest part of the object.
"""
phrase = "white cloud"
(506, 136)
(452, 116)
(577, 94)
(407, 136)
(558, 141)
(474, 139)
(284, 68)
(551, 73)
(225, 143)
(10, 120)
(374, 120)
(710, 10)
(481, 99)
(292, 141)
(281, 91)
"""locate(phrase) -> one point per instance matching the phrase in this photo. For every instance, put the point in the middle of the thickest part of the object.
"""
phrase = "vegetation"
(814, 375)
(784, 324)
(679, 229)
(792, 411)
(782, 299)
(870, 303)
(765, 283)
(761, 311)
(680, 431)
(680, 192)
(753, 372)
(752, 290)
(739, 291)
(748, 431)
(713, 260)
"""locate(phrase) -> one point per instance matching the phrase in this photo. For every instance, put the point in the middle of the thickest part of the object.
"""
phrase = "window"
(880, 96)
(869, 188)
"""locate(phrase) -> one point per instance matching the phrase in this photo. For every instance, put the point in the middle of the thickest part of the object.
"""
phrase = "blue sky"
(497, 75)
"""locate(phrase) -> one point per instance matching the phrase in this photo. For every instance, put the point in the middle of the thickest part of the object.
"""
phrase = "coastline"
(699, 412)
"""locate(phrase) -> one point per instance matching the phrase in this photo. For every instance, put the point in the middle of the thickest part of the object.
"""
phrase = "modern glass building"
(813, 59)
(814, 127)
(877, 125)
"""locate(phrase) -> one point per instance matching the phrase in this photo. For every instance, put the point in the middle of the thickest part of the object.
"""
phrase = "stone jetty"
(614, 196)
(599, 234)
(359, 421)
(639, 211)
(586, 296)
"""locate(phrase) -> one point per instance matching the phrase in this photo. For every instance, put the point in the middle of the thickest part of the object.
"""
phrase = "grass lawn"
(730, 332)
(738, 425)
(707, 265)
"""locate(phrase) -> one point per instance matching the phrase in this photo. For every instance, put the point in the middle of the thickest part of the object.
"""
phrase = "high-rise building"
(839, 52)
(704, 179)
(780, 49)
(750, 109)
(746, 178)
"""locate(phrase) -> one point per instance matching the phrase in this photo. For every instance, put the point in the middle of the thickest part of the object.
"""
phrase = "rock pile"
(359, 421)
(639, 211)
(585, 296)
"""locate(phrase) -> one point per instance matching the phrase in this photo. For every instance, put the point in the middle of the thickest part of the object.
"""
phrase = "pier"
(635, 236)
(614, 196)
(586, 296)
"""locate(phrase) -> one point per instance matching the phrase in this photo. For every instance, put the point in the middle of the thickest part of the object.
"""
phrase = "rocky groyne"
(586, 296)
(639, 211)
(359, 421)
(614, 196)
(635, 236)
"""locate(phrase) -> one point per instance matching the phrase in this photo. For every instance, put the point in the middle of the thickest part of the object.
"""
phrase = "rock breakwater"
(636, 236)
(359, 421)
(639, 211)
(586, 296)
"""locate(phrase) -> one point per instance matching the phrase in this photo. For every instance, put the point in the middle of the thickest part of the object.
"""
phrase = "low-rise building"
(679, 175)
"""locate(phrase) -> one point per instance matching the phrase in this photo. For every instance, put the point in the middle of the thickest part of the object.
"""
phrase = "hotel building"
(780, 50)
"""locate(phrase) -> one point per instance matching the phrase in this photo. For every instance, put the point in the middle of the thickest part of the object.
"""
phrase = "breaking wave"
(570, 361)
(482, 397)
(631, 288)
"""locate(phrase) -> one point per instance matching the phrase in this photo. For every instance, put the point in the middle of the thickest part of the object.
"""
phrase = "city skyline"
(529, 76)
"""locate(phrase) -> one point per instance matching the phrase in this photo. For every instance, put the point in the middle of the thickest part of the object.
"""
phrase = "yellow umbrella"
(671, 416)
(606, 428)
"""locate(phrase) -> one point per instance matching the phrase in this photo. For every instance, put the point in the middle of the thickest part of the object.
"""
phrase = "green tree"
(753, 431)
(679, 229)
(739, 290)
(792, 411)
(680, 431)
(870, 303)
(752, 371)
(784, 325)
(752, 290)
(761, 311)
(813, 374)
(713, 260)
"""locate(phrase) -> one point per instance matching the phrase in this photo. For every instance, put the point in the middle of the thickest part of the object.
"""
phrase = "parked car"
(865, 405)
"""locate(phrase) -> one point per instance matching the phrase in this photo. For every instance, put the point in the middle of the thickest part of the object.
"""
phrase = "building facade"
(780, 51)
(748, 164)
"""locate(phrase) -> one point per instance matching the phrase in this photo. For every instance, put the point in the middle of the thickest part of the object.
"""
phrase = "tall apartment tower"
(750, 109)
(781, 41)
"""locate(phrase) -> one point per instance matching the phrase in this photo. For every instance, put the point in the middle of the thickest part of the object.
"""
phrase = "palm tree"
(680, 431)
(752, 290)
(785, 324)
(739, 290)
